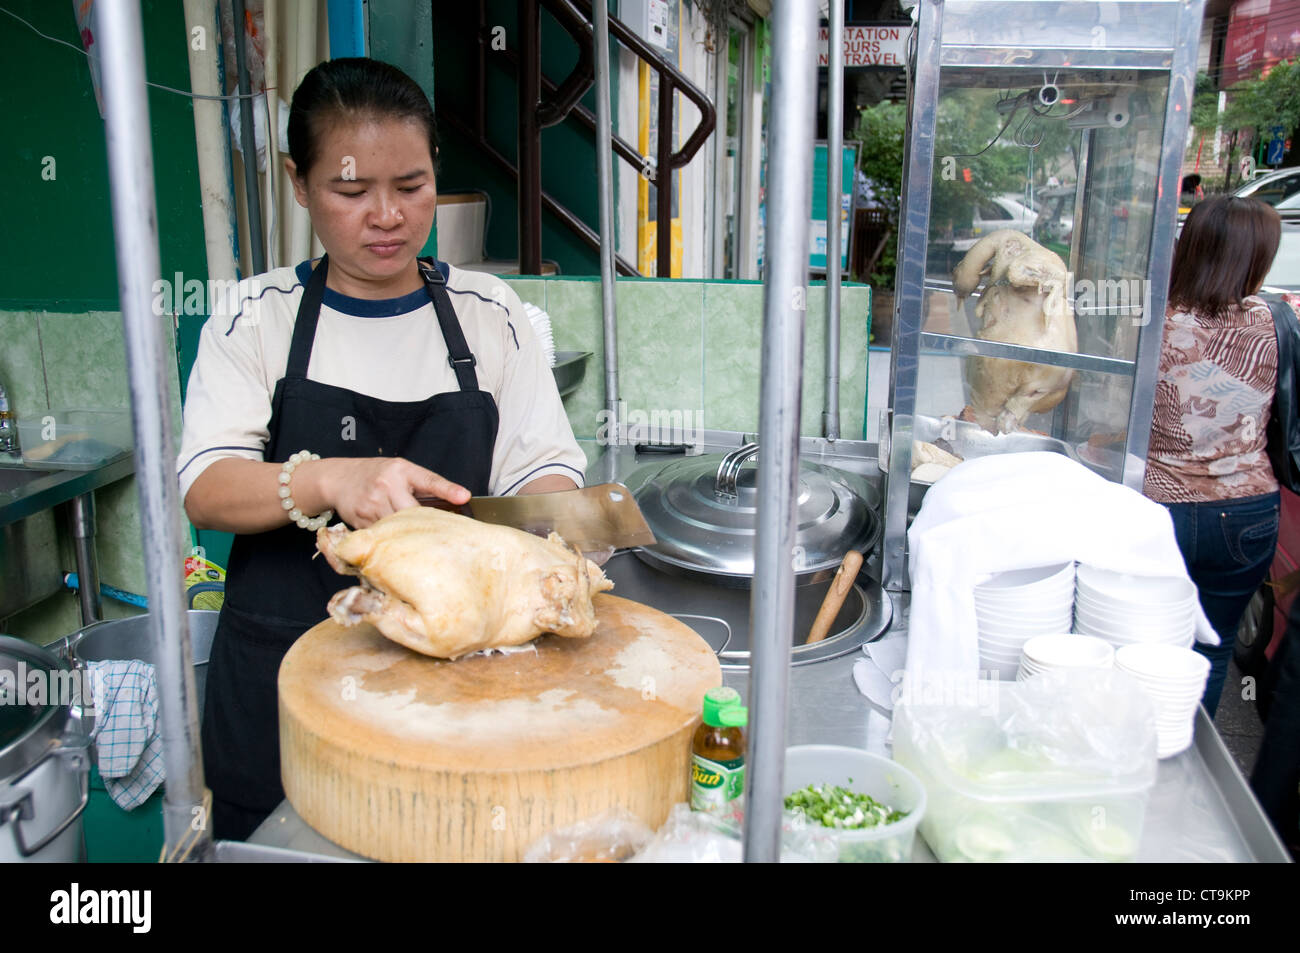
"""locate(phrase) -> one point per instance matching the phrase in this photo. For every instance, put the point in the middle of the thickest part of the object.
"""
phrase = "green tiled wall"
(66, 360)
(697, 346)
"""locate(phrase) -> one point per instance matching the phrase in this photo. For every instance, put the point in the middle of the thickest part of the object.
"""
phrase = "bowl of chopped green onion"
(870, 806)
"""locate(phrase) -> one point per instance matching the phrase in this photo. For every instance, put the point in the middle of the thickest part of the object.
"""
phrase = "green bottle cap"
(737, 716)
(718, 700)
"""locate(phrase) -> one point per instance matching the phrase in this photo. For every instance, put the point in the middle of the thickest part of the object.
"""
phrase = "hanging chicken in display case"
(1023, 301)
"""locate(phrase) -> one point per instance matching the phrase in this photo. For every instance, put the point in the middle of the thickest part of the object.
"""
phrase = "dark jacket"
(1284, 421)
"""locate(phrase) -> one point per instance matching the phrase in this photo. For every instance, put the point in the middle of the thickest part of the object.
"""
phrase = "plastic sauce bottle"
(718, 752)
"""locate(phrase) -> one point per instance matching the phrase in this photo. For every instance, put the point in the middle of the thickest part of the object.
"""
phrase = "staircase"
(480, 46)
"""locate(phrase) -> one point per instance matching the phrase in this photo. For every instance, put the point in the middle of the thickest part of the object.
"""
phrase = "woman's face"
(371, 196)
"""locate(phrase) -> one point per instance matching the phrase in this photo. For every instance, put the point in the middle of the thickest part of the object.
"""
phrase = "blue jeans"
(1228, 547)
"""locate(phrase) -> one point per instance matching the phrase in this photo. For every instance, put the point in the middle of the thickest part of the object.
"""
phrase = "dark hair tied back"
(353, 88)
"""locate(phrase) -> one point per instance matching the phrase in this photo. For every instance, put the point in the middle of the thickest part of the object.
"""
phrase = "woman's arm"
(242, 496)
(548, 484)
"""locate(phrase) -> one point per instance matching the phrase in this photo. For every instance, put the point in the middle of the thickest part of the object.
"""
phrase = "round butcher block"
(403, 757)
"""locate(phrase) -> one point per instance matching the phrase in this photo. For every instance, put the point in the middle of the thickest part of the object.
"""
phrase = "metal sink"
(15, 478)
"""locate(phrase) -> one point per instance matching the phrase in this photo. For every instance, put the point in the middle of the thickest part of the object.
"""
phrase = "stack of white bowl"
(1174, 679)
(1043, 653)
(1128, 610)
(1013, 607)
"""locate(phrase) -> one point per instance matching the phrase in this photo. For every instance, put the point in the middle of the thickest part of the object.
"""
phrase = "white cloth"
(128, 746)
(1020, 511)
(879, 674)
(391, 350)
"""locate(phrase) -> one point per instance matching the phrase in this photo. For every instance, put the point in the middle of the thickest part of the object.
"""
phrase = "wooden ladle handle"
(835, 595)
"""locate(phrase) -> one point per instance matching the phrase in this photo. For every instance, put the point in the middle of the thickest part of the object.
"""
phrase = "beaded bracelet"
(312, 523)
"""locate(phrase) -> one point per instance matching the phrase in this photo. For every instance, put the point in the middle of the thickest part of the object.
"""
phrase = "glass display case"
(1040, 190)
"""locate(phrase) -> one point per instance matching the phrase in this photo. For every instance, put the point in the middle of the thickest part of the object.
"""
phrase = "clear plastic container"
(863, 773)
(75, 439)
(1015, 782)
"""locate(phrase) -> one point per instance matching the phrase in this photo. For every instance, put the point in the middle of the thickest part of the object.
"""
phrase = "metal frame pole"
(834, 188)
(794, 98)
(605, 185)
(1178, 110)
(135, 234)
(530, 145)
(913, 242)
(81, 517)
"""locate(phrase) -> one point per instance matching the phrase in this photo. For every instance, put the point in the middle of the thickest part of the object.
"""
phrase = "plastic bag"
(605, 839)
(1055, 768)
(1061, 725)
(696, 837)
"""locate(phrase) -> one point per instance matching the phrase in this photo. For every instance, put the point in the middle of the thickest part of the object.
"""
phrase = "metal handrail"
(549, 202)
(562, 100)
(666, 160)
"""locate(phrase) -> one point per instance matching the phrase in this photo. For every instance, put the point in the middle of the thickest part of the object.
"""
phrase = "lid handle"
(724, 485)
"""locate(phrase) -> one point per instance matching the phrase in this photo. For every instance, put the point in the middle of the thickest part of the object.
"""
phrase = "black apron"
(275, 591)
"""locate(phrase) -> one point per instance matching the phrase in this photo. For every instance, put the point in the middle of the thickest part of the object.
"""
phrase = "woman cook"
(341, 390)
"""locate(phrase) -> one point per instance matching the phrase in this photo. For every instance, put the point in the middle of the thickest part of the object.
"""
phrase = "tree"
(1254, 107)
(880, 130)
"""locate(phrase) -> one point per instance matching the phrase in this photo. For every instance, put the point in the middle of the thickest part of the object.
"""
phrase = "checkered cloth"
(128, 747)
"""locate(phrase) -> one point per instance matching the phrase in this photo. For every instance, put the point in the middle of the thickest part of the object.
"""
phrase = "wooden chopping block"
(402, 757)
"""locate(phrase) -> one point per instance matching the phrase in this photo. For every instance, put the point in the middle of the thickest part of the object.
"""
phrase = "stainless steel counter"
(1201, 808)
(29, 561)
(25, 491)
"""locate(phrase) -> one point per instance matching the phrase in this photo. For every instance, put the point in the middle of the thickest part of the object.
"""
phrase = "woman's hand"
(242, 496)
(366, 489)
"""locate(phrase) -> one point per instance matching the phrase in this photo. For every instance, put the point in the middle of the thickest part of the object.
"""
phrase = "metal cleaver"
(596, 519)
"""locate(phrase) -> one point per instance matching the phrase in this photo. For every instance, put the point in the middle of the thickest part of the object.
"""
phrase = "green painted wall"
(60, 329)
(568, 149)
(57, 243)
(401, 32)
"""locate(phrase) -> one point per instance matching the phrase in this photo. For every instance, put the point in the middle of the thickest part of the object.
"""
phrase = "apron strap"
(304, 325)
(459, 356)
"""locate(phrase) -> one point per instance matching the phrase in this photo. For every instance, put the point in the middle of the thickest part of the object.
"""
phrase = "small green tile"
(21, 371)
(574, 307)
(85, 360)
(46, 621)
(530, 290)
(661, 351)
(733, 348)
(855, 332)
(814, 363)
(118, 537)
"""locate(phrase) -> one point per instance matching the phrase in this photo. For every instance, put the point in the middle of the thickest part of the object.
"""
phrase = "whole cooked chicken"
(447, 585)
(1023, 302)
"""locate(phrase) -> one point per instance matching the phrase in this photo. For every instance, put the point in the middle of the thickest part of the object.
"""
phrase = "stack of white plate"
(1174, 679)
(1045, 652)
(1127, 610)
(1013, 607)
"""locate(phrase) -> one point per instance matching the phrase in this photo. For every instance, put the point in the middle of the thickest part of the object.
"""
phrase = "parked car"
(1272, 187)
(989, 215)
(1284, 276)
(1055, 208)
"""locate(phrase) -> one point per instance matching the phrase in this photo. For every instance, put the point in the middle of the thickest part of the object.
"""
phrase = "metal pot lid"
(703, 511)
(33, 711)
